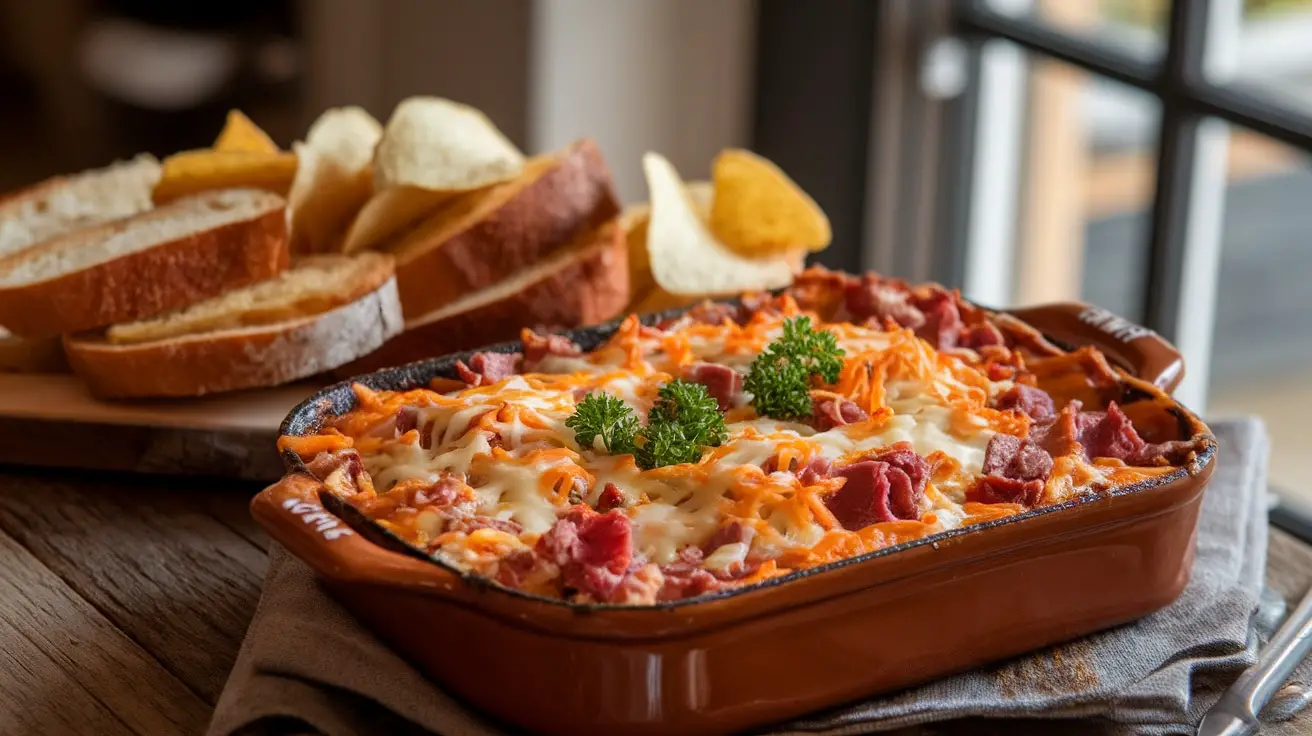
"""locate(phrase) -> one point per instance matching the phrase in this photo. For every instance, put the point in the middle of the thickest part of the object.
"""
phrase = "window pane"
(1262, 347)
(1137, 27)
(1274, 52)
(1088, 187)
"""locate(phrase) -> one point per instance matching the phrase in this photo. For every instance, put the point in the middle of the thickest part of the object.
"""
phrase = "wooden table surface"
(123, 601)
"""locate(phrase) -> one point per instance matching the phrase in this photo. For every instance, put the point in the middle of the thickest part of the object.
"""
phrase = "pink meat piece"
(827, 413)
(446, 491)
(980, 335)
(997, 489)
(1016, 458)
(731, 533)
(873, 492)
(815, 469)
(488, 368)
(682, 580)
(1101, 433)
(872, 298)
(592, 550)
(942, 325)
(323, 464)
(1029, 400)
(721, 382)
(902, 456)
(471, 524)
(611, 498)
(537, 347)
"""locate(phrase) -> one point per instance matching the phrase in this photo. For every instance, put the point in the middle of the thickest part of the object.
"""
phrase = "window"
(1159, 161)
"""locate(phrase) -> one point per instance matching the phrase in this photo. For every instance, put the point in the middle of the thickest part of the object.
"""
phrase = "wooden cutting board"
(51, 421)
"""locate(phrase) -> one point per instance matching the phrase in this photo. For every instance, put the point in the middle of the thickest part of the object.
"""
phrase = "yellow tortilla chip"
(240, 135)
(190, 172)
(758, 210)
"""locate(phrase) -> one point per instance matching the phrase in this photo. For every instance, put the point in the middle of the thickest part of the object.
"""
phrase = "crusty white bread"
(238, 358)
(482, 237)
(584, 283)
(313, 285)
(65, 203)
(187, 250)
(20, 355)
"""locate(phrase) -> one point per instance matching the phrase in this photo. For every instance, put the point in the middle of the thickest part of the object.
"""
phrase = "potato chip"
(190, 172)
(443, 146)
(685, 257)
(390, 213)
(240, 135)
(334, 178)
(757, 209)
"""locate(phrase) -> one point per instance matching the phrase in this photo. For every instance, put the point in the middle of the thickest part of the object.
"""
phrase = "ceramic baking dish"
(787, 646)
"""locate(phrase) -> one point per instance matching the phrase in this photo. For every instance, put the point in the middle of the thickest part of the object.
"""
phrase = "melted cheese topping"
(507, 448)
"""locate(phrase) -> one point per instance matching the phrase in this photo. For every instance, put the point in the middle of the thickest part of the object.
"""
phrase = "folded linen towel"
(307, 665)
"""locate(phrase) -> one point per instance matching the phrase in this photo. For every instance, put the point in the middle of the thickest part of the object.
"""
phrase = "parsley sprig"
(602, 415)
(684, 419)
(780, 377)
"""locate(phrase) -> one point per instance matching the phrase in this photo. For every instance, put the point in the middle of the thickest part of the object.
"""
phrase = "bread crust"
(147, 282)
(591, 287)
(575, 194)
(228, 360)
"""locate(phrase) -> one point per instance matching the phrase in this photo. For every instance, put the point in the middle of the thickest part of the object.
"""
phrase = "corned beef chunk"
(815, 469)
(1028, 400)
(981, 335)
(537, 347)
(471, 524)
(1101, 433)
(942, 319)
(873, 298)
(875, 491)
(685, 580)
(828, 412)
(713, 313)
(903, 456)
(611, 498)
(997, 489)
(721, 382)
(1016, 458)
(488, 368)
(731, 533)
(592, 550)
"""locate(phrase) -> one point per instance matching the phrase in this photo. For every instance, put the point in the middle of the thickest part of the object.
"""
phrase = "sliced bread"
(65, 203)
(480, 237)
(584, 283)
(313, 285)
(323, 312)
(185, 251)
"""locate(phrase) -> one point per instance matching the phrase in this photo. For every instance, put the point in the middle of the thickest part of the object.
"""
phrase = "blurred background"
(1145, 155)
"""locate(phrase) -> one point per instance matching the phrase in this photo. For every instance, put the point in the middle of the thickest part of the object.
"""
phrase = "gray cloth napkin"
(307, 665)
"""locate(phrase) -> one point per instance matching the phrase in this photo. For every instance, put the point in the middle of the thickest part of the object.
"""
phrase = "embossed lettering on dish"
(1117, 327)
(322, 521)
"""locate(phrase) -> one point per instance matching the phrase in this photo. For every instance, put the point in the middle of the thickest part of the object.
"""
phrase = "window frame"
(1193, 93)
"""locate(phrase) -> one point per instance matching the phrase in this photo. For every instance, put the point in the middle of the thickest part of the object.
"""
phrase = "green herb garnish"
(684, 419)
(780, 378)
(604, 415)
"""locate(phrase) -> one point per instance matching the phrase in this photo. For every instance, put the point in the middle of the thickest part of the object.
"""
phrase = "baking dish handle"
(290, 512)
(1141, 352)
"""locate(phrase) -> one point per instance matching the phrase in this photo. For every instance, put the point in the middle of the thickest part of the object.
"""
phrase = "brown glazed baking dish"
(787, 646)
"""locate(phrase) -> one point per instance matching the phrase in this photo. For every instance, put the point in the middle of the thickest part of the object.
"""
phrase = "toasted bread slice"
(234, 341)
(584, 283)
(313, 285)
(20, 355)
(177, 254)
(66, 203)
(479, 238)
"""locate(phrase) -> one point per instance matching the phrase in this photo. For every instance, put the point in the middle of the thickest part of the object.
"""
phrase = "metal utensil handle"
(1291, 643)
